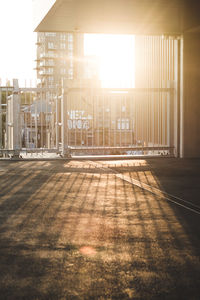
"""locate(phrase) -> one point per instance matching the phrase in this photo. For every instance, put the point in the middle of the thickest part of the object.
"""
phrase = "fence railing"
(86, 121)
(111, 121)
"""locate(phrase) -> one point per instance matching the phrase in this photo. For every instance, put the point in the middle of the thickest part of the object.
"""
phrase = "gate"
(118, 121)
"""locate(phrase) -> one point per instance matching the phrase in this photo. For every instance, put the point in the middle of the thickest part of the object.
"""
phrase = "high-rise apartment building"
(59, 57)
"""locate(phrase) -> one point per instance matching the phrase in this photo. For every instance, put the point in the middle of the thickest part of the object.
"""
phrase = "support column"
(190, 104)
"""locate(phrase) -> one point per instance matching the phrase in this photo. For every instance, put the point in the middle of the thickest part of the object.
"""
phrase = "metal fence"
(118, 121)
(86, 121)
(27, 120)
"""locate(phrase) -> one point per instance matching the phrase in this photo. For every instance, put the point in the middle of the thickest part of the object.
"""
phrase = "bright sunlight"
(116, 55)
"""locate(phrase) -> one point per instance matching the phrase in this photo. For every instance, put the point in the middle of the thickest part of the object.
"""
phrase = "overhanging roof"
(117, 16)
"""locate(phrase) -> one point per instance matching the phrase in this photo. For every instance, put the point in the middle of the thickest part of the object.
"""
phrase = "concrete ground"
(100, 229)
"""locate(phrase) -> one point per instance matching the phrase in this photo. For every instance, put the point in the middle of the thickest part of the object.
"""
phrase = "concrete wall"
(191, 96)
(190, 16)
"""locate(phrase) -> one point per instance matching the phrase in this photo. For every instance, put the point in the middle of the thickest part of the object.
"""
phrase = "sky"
(17, 44)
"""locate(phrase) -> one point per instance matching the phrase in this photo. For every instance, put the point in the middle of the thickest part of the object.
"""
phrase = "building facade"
(54, 58)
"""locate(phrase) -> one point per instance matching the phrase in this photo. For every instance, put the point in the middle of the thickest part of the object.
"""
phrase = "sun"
(116, 56)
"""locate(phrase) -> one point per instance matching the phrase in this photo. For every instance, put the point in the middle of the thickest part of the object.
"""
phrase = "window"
(50, 34)
(51, 45)
(123, 124)
(51, 62)
(63, 36)
(51, 78)
(70, 74)
(63, 62)
(51, 54)
(50, 70)
(70, 37)
(70, 46)
(63, 71)
(62, 46)
(123, 108)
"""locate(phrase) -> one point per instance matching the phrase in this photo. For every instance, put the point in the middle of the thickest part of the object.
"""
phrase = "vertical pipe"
(93, 116)
(136, 118)
(6, 133)
(110, 122)
(161, 94)
(41, 120)
(131, 119)
(76, 112)
(46, 118)
(20, 122)
(120, 121)
(36, 125)
(57, 128)
(103, 120)
(98, 110)
(177, 96)
(81, 108)
(168, 117)
(64, 126)
(30, 99)
(114, 105)
(1, 113)
(126, 120)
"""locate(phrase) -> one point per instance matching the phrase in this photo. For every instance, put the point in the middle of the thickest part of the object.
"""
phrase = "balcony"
(47, 56)
(45, 73)
(45, 64)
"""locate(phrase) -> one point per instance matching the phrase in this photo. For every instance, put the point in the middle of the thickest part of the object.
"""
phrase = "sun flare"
(116, 57)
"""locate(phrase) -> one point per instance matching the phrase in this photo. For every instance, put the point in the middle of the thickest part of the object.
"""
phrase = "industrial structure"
(151, 20)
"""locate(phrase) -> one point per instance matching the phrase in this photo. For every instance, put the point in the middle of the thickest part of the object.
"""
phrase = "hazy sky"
(17, 40)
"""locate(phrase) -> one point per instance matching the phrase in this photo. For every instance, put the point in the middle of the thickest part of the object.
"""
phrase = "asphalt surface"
(118, 229)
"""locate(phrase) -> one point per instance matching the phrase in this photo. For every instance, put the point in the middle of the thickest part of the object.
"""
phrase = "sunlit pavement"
(95, 230)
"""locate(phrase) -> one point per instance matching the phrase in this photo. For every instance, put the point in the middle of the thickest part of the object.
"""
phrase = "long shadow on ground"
(86, 234)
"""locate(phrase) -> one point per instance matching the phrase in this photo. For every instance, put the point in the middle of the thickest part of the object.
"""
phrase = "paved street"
(100, 229)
